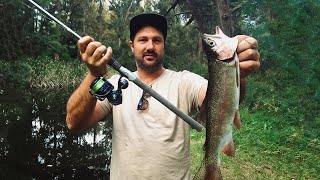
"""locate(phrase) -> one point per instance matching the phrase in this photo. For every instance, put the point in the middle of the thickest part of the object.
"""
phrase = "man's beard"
(145, 66)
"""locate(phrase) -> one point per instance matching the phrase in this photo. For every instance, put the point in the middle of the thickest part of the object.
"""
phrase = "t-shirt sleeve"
(191, 84)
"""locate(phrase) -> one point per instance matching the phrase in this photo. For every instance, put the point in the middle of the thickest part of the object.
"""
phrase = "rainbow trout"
(221, 104)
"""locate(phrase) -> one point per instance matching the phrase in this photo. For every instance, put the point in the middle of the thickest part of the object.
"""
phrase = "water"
(36, 144)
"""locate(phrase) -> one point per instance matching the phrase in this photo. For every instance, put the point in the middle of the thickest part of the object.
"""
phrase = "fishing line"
(55, 19)
(37, 11)
(105, 88)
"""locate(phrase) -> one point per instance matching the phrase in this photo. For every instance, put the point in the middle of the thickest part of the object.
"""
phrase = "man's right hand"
(94, 55)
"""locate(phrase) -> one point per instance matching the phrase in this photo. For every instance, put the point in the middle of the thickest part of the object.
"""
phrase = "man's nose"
(150, 45)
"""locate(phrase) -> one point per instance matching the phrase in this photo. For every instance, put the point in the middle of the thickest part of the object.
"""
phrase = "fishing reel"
(100, 88)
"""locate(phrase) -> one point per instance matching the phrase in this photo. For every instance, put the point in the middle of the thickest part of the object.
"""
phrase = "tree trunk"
(197, 13)
(225, 17)
(203, 12)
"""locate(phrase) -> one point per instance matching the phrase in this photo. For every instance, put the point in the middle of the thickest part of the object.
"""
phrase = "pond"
(36, 144)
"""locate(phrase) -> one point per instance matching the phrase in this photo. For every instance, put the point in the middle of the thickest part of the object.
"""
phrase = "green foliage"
(51, 46)
(299, 106)
(17, 75)
(286, 32)
(43, 74)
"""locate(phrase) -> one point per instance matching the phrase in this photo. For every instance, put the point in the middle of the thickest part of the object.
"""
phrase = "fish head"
(219, 46)
(210, 46)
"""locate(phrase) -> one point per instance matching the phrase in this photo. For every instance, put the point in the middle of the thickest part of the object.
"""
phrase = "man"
(148, 140)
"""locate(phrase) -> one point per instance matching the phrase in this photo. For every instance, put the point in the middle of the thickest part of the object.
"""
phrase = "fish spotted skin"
(221, 104)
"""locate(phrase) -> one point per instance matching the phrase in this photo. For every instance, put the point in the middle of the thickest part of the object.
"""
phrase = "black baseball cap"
(148, 19)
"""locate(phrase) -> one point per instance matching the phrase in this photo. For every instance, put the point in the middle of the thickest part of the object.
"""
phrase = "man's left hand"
(248, 54)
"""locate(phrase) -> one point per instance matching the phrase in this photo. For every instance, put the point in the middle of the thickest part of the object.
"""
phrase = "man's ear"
(131, 45)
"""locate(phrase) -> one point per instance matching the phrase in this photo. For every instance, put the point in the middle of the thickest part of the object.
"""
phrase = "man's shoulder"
(180, 73)
(183, 74)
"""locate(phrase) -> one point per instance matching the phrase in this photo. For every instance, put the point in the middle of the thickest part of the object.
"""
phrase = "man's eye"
(142, 40)
(157, 41)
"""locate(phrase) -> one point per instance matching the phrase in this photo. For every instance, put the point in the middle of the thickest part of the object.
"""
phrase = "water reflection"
(36, 144)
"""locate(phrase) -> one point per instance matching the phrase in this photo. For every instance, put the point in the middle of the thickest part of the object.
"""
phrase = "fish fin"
(237, 120)
(202, 113)
(228, 147)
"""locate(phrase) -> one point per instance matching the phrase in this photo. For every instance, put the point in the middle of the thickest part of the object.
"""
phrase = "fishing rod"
(101, 84)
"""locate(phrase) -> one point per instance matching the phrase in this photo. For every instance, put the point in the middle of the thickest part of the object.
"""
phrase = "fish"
(221, 105)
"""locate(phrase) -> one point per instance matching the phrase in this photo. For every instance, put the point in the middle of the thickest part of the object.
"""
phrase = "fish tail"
(213, 173)
(208, 171)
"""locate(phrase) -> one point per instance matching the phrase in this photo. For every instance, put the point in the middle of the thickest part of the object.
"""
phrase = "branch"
(128, 10)
(172, 7)
(239, 6)
(112, 5)
(189, 21)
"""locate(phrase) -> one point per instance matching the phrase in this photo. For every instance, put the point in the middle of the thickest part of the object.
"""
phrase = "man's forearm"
(80, 106)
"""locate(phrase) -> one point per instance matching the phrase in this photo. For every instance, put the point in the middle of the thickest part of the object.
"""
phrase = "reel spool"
(100, 88)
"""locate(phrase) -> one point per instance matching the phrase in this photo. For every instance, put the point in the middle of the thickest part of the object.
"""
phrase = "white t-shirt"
(153, 144)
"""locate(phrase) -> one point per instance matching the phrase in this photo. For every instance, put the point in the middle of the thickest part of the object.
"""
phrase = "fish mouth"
(212, 39)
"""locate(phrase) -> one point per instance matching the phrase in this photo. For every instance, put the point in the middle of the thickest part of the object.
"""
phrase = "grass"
(266, 149)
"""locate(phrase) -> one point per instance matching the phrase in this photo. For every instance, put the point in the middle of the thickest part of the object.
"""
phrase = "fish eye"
(211, 42)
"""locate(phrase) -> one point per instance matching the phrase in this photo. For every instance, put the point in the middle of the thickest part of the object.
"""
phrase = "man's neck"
(149, 77)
